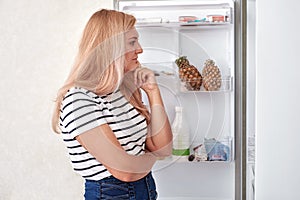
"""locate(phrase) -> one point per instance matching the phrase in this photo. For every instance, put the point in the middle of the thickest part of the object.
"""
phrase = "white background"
(38, 43)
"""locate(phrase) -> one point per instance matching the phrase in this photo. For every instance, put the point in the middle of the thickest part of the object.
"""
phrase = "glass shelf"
(179, 14)
(226, 86)
(184, 159)
(167, 74)
(221, 151)
(180, 26)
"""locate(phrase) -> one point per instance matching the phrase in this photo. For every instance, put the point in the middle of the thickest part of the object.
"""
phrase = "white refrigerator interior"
(199, 30)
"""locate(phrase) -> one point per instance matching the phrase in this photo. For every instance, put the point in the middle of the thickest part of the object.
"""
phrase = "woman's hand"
(144, 78)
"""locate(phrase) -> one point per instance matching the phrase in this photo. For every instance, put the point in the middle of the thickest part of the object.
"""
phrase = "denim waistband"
(112, 188)
(110, 178)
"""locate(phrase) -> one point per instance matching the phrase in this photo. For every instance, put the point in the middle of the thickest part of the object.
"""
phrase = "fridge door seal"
(240, 100)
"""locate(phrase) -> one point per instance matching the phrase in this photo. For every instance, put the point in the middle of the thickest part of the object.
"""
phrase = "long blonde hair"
(99, 64)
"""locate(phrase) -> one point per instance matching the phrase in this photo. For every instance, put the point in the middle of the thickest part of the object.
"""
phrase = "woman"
(112, 139)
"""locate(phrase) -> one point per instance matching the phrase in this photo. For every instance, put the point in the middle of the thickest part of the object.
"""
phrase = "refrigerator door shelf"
(142, 5)
(226, 87)
(185, 25)
(178, 14)
(203, 23)
(184, 159)
(175, 11)
(211, 149)
(170, 79)
(167, 73)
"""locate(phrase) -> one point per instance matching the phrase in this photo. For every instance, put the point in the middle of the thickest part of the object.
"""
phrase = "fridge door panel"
(210, 114)
(195, 180)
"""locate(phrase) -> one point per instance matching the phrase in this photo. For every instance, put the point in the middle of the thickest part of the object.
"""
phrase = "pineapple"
(188, 74)
(211, 76)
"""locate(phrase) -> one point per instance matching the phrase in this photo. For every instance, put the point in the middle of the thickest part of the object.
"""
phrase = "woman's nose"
(139, 49)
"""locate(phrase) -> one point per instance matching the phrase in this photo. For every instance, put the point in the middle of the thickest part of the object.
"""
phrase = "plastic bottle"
(181, 135)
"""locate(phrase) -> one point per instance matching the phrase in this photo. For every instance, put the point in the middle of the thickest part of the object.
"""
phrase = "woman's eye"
(132, 43)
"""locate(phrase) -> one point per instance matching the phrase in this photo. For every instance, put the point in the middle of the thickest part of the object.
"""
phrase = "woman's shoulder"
(79, 94)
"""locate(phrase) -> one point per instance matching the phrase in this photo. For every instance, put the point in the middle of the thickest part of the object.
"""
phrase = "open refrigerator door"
(191, 47)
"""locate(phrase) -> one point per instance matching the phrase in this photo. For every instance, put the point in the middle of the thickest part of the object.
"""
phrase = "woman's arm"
(104, 146)
(160, 136)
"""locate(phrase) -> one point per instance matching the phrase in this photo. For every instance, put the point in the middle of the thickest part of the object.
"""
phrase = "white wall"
(278, 95)
(37, 45)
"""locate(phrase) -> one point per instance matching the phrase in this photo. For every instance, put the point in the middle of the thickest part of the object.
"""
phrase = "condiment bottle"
(181, 135)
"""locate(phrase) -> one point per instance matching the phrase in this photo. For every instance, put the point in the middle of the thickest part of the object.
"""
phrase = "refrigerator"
(211, 31)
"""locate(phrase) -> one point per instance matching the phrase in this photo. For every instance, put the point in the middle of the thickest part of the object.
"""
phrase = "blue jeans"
(112, 188)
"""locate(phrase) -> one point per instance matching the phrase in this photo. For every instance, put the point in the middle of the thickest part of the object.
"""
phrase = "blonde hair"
(99, 65)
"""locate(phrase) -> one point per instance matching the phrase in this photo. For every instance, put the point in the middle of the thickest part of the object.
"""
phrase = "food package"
(217, 151)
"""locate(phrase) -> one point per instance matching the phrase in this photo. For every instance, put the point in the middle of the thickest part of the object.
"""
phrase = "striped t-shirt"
(82, 110)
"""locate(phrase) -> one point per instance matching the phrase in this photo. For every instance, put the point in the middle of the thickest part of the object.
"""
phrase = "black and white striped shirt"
(82, 110)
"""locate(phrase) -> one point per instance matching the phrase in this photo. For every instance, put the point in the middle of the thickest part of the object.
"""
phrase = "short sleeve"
(81, 111)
